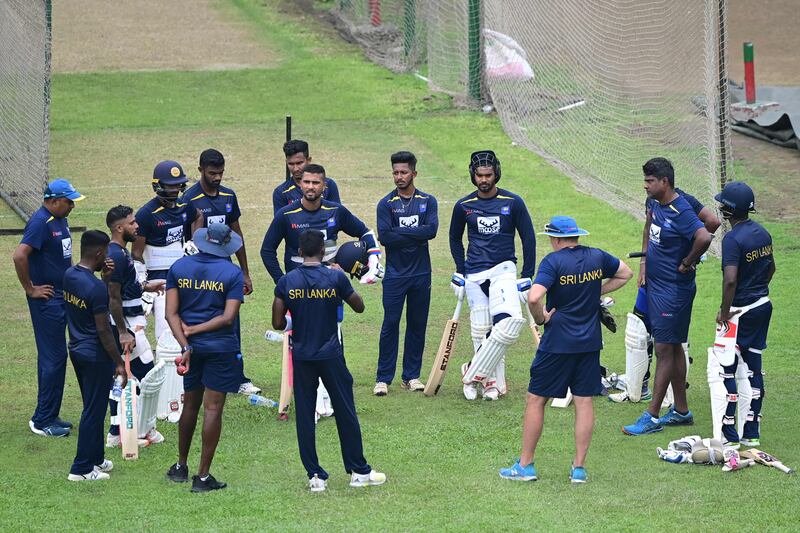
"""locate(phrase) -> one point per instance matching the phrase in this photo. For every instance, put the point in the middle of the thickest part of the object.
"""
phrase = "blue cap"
(169, 173)
(562, 226)
(738, 197)
(61, 188)
(217, 239)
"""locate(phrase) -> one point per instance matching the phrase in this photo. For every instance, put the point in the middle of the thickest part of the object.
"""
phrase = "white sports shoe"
(491, 394)
(105, 466)
(381, 389)
(316, 484)
(113, 441)
(248, 388)
(94, 475)
(470, 389)
(152, 437)
(364, 480)
(414, 385)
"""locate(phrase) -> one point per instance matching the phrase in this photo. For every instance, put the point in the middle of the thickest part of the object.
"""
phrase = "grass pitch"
(441, 454)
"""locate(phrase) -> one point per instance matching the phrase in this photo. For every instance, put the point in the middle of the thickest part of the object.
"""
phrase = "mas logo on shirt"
(66, 247)
(331, 222)
(409, 222)
(505, 210)
(174, 234)
(488, 224)
(655, 234)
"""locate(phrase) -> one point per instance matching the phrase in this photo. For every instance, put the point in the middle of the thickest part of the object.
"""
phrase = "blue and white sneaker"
(49, 431)
(750, 443)
(647, 423)
(577, 474)
(519, 473)
(62, 423)
(673, 418)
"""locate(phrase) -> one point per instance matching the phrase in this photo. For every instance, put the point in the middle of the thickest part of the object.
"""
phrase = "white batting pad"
(480, 322)
(503, 334)
(150, 387)
(170, 398)
(635, 356)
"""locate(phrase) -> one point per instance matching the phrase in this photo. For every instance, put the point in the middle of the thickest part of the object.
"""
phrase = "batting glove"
(375, 272)
(458, 283)
(523, 286)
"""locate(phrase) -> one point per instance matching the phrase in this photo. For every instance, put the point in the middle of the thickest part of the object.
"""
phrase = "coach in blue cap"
(571, 277)
(204, 292)
(41, 259)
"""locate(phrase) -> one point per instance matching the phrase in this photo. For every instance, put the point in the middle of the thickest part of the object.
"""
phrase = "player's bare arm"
(355, 302)
(20, 257)
(241, 256)
(620, 278)
(536, 304)
(279, 310)
(110, 346)
(115, 306)
(226, 319)
(700, 243)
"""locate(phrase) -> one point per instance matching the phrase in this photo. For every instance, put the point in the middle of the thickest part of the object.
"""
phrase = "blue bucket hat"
(61, 188)
(563, 226)
(217, 239)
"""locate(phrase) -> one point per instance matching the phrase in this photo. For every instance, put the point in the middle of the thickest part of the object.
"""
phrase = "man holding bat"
(290, 191)
(204, 292)
(93, 352)
(407, 219)
(568, 357)
(313, 293)
(748, 266)
(676, 241)
(492, 216)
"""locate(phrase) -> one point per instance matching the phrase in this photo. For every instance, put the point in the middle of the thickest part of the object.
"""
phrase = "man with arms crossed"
(41, 259)
(204, 292)
(313, 294)
(407, 219)
(492, 216)
(677, 240)
(569, 352)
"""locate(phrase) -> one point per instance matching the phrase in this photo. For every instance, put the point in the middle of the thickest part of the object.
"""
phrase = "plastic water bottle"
(273, 336)
(256, 399)
(116, 389)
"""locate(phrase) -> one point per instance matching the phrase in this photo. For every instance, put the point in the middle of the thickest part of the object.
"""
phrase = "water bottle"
(273, 336)
(116, 389)
(256, 399)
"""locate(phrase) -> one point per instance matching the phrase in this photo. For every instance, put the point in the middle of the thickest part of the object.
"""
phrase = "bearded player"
(492, 216)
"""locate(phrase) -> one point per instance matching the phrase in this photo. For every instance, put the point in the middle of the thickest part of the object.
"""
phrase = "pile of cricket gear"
(694, 449)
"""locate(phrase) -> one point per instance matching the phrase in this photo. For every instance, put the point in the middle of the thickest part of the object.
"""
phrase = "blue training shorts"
(753, 327)
(553, 373)
(670, 314)
(221, 372)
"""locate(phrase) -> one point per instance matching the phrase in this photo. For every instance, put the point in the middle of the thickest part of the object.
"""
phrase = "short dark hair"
(312, 243)
(92, 240)
(212, 158)
(314, 169)
(660, 167)
(295, 146)
(115, 214)
(405, 157)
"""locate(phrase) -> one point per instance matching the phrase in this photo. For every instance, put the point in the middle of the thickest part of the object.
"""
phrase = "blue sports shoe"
(62, 423)
(519, 473)
(577, 474)
(646, 424)
(673, 418)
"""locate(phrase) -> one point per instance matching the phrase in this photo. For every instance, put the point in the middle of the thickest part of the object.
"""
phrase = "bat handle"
(457, 312)
(783, 468)
(633, 255)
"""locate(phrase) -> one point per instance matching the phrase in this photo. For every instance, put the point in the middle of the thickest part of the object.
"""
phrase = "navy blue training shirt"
(205, 282)
(222, 208)
(85, 296)
(491, 224)
(291, 221)
(313, 294)
(125, 274)
(573, 278)
(404, 228)
(748, 246)
(52, 248)
(672, 230)
(289, 192)
(162, 226)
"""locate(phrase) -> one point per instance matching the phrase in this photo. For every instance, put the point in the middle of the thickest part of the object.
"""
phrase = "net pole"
(474, 38)
(722, 115)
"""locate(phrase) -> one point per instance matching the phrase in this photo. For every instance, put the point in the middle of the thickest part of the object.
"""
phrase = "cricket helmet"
(353, 256)
(484, 158)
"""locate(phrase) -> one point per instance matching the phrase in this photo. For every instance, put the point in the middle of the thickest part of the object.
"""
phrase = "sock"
(205, 478)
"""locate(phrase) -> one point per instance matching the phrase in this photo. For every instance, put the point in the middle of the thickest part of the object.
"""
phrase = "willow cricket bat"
(533, 326)
(287, 385)
(446, 346)
(765, 459)
(128, 415)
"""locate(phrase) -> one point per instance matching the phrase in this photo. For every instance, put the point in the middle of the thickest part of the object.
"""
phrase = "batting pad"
(150, 387)
(498, 378)
(635, 356)
(745, 392)
(503, 334)
(480, 323)
(170, 397)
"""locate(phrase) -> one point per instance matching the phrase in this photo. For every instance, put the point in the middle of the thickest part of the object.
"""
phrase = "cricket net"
(24, 102)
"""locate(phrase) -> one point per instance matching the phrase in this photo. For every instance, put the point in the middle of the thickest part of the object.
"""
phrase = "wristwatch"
(186, 348)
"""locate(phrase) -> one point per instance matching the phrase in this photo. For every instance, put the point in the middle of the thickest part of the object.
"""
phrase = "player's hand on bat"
(458, 283)
(248, 285)
(108, 269)
(41, 292)
(724, 317)
(120, 372)
(127, 341)
(155, 286)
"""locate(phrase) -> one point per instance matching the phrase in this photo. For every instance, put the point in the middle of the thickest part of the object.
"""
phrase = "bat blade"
(766, 459)
(443, 354)
(128, 415)
(286, 376)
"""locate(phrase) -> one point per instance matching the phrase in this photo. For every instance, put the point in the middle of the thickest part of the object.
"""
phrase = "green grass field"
(441, 454)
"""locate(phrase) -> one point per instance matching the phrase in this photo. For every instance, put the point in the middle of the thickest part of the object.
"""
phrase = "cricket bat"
(287, 385)
(128, 415)
(532, 324)
(446, 346)
(765, 459)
